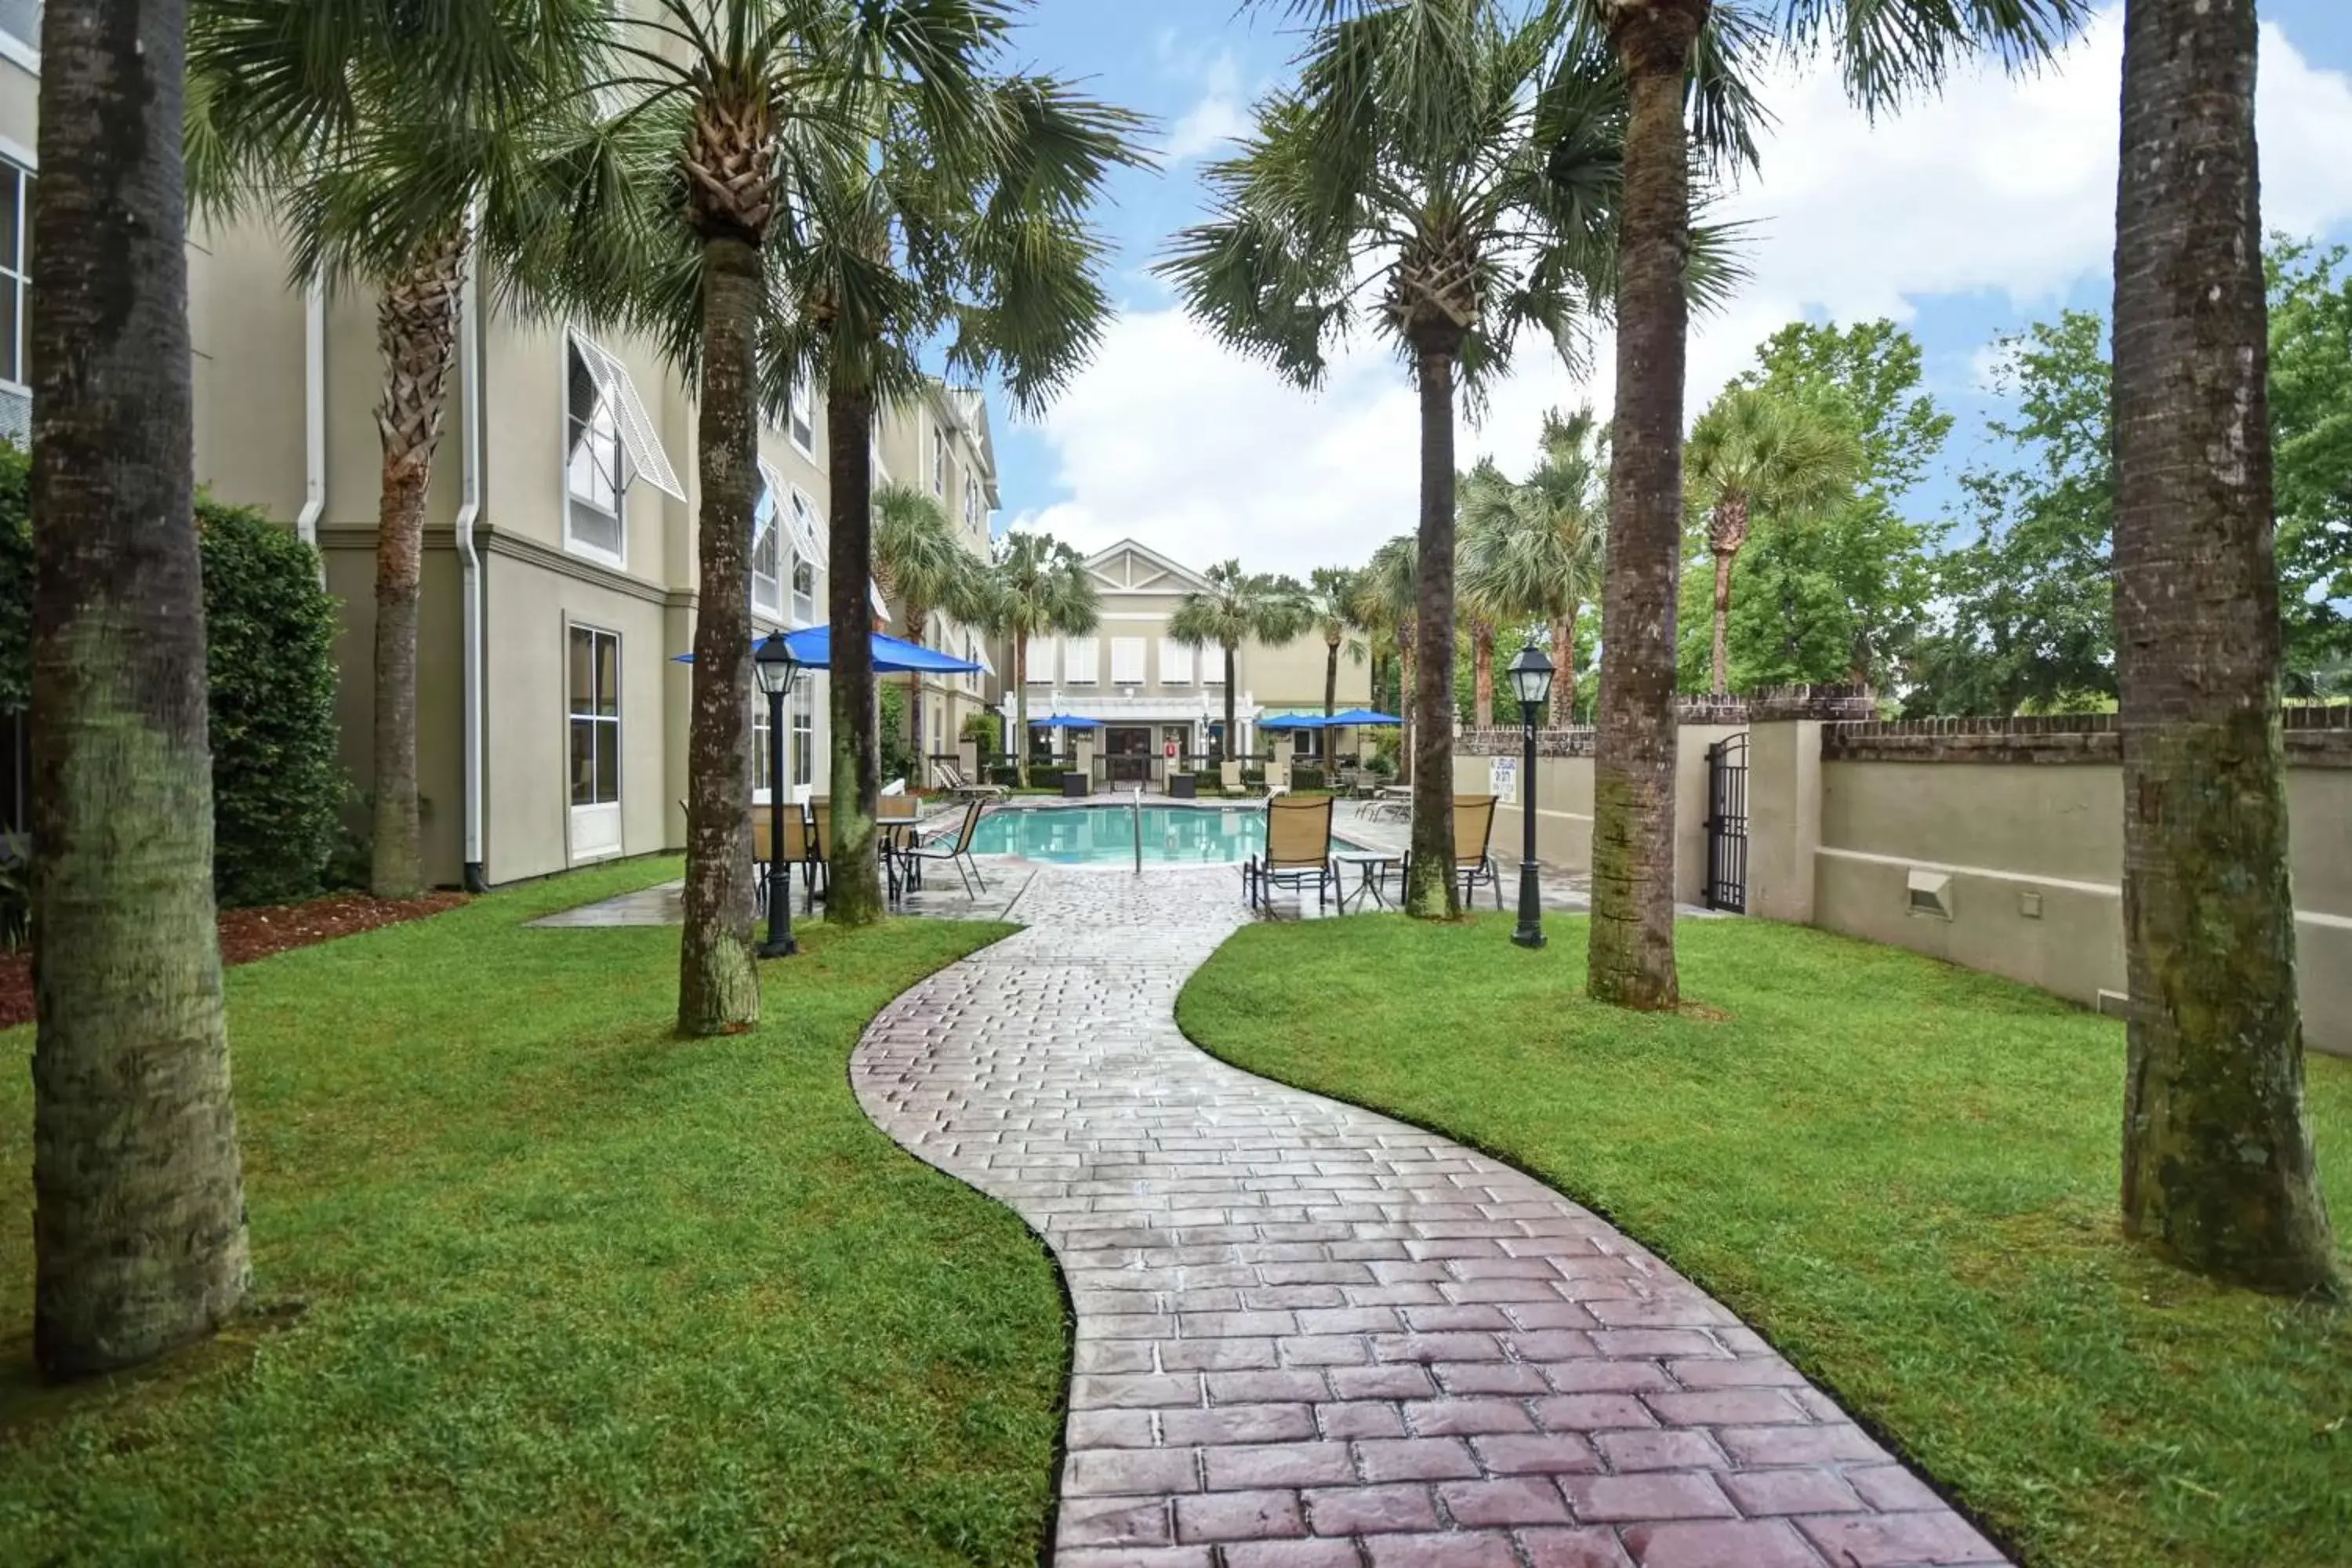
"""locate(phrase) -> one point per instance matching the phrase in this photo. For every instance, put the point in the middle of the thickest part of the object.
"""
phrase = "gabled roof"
(1116, 569)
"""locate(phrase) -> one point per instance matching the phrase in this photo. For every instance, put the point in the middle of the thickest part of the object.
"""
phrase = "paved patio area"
(1309, 1335)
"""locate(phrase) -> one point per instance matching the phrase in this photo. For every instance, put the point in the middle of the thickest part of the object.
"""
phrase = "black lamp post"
(778, 671)
(1530, 674)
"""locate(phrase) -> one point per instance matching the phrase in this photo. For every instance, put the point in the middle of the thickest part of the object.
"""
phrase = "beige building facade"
(560, 574)
(1148, 697)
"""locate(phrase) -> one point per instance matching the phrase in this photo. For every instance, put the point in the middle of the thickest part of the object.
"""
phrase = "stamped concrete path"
(1310, 1335)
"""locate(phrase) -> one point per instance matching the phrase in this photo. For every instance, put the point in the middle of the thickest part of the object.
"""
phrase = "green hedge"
(277, 788)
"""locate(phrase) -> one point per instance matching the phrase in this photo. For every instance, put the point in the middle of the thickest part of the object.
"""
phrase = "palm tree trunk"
(1232, 746)
(1405, 708)
(1431, 892)
(416, 329)
(918, 622)
(1631, 940)
(718, 987)
(139, 1236)
(1482, 664)
(1330, 699)
(2217, 1169)
(1722, 621)
(854, 875)
(1021, 705)
(1563, 660)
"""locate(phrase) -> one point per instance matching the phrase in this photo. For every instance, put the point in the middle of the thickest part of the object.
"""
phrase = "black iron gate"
(1727, 824)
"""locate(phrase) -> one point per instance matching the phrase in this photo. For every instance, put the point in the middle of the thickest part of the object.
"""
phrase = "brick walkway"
(1309, 1335)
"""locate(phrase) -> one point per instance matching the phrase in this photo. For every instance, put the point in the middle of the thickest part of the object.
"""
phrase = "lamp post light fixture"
(778, 672)
(1530, 674)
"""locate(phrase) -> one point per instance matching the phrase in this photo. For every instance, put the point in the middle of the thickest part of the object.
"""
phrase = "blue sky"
(1970, 215)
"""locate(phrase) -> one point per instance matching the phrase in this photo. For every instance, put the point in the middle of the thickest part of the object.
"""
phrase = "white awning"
(640, 436)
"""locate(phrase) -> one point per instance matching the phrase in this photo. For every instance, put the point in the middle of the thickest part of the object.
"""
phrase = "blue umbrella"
(812, 648)
(1064, 721)
(1293, 721)
(1361, 716)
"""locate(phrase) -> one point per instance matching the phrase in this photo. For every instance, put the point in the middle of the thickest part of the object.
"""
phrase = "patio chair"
(1229, 778)
(949, 775)
(1277, 778)
(1473, 828)
(955, 848)
(816, 854)
(1297, 850)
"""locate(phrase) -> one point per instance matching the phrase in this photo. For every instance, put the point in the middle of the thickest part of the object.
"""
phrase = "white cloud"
(1998, 186)
(1220, 115)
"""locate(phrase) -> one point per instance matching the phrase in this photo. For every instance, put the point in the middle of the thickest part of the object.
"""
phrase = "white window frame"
(808, 551)
(972, 513)
(26, 52)
(1040, 661)
(771, 502)
(761, 777)
(800, 416)
(592, 828)
(800, 744)
(638, 438)
(1175, 662)
(16, 271)
(1082, 662)
(940, 461)
(1126, 661)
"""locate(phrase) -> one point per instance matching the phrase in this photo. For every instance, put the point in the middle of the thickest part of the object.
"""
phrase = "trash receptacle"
(1074, 786)
(1183, 786)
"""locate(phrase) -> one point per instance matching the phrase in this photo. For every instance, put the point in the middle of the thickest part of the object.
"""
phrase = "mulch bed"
(249, 935)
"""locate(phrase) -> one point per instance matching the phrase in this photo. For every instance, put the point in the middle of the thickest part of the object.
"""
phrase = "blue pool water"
(1173, 835)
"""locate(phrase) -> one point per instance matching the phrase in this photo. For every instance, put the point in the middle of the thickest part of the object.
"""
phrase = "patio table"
(1371, 873)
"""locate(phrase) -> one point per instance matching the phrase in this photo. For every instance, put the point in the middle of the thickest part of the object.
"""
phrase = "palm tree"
(682, 214)
(380, 167)
(1757, 453)
(1333, 595)
(139, 1236)
(1533, 549)
(1238, 606)
(923, 568)
(1461, 168)
(1477, 494)
(1037, 586)
(2218, 1169)
(1671, 54)
(961, 201)
(1387, 604)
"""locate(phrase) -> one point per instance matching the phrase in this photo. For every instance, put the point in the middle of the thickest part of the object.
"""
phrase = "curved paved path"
(1309, 1335)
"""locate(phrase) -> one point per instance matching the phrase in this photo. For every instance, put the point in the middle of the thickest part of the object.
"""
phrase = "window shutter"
(1126, 661)
(1175, 663)
(1082, 668)
(1040, 661)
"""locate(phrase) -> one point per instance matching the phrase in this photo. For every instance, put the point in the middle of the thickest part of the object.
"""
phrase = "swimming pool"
(1173, 835)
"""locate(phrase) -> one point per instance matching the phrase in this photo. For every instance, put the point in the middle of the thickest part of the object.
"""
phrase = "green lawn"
(549, 1284)
(1903, 1174)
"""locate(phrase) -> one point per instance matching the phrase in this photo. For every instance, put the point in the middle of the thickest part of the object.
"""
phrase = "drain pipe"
(314, 418)
(469, 567)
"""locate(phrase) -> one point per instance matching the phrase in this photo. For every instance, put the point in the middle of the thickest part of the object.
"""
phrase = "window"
(800, 710)
(767, 554)
(805, 554)
(1079, 666)
(800, 416)
(971, 656)
(763, 738)
(1040, 661)
(972, 503)
(1126, 661)
(804, 591)
(609, 439)
(1212, 667)
(1175, 663)
(1302, 742)
(15, 292)
(939, 461)
(20, 31)
(592, 705)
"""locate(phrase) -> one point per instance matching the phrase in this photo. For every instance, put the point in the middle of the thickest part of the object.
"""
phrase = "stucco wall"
(2018, 837)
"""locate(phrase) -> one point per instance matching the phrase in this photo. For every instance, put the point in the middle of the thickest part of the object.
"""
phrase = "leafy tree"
(1478, 495)
(1535, 548)
(921, 566)
(1037, 586)
(1333, 596)
(370, 130)
(1694, 58)
(1239, 606)
(2310, 293)
(2031, 619)
(139, 1235)
(2218, 1167)
(1461, 168)
(1756, 454)
(1387, 604)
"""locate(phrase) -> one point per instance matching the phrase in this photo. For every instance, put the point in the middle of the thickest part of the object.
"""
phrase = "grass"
(1903, 1174)
(540, 1281)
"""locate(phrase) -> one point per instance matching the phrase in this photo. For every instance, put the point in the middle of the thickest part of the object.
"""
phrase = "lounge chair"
(763, 849)
(1297, 850)
(1229, 778)
(1277, 778)
(1473, 828)
(948, 774)
(955, 848)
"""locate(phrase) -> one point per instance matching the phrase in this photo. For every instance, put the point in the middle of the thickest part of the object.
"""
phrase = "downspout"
(314, 418)
(469, 569)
